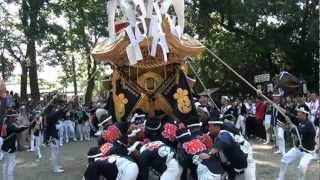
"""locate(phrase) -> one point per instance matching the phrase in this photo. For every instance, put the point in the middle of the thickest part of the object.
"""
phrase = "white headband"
(215, 122)
(95, 156)
(184, 134)
(195, 125)
(302, 110)
(152, 129)
(105, 121)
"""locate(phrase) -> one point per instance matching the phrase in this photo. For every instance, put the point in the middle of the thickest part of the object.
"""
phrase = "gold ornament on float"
(183, 100)
(150, 81)
(120, 102)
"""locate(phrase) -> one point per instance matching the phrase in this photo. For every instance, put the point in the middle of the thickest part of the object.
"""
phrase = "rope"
(46, 106)
(249, 84)
(202, 84)
(276, 106)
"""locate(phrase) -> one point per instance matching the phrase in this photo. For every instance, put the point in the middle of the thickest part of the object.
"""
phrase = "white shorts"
(267, 121)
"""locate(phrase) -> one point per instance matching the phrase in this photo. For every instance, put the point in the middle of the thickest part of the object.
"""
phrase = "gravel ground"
(74, 162)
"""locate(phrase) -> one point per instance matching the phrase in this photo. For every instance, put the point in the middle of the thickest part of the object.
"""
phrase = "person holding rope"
(233, 158)
(52, 136)
(9, 147)
(306, 144)
(304, 148)
(36, 127)
(279, 124)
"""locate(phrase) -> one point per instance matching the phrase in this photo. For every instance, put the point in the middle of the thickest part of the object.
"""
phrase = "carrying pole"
(276, 106)
(202, 84)
(281, 110)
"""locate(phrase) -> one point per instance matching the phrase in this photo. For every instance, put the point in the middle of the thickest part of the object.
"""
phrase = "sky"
(52, 74)
(48, 73)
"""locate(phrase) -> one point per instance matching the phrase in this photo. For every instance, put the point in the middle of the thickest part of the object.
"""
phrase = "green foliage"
(256, 37)
(6, 64)
(253, 36)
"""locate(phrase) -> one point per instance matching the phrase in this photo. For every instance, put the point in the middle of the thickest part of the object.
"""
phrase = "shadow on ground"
(74, 162)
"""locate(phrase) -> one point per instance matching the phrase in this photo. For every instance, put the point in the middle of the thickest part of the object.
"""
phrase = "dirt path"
(74, 162)
(268, 165)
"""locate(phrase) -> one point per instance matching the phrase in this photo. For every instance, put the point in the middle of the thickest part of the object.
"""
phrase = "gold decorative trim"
(183, 100)
(120, 105)
(142, 81)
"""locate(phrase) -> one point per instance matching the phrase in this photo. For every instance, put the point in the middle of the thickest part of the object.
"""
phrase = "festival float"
(148, 53)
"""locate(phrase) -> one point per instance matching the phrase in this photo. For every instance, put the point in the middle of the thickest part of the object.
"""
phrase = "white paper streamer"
(165, 6)
(149, 8)
(111, 7)
(133, 49)
(155, 30)
(142, 7)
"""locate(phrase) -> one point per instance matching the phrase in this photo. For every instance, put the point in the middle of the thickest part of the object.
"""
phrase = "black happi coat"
(82, 117)
(225, 143)
(9, 143)
(106, 166)
(52, 120)
(154, 155)
(189, 150)
(307, 133)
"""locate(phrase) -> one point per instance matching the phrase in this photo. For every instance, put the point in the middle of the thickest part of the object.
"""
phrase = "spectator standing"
(225, 101)
(83, 126)
(23, 120)
(251, 118)
(279, 125)
(36, 127)
(204, 102)
(9, 99)
(267, 123)
(260, 115)
(313, 105)
(9, 148)
(3, 109)
(242, 113)
(68, 126)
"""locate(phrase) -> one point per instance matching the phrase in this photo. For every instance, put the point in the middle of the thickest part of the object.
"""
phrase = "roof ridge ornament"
(149, 35)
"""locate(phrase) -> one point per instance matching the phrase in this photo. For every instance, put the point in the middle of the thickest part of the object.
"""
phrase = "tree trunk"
(24, 81)
(3, 67)
(33, 71)
(74, 77)
(91, 80)
(29, 18)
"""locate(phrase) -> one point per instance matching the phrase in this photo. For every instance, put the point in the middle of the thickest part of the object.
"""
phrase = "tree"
(257, 36)
(87, 22)
(6, 65)
(33, 40)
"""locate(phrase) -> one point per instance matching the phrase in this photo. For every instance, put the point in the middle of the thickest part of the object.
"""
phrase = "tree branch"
(12, 53)
(230, 26)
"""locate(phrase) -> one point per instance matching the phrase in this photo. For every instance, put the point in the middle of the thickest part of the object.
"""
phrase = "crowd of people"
(259, 118)
(212, 144)
(73, 125)
(31, 127)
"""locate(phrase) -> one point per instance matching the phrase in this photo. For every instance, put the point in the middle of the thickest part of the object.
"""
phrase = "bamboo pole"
(276, 106)
(202, 84)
